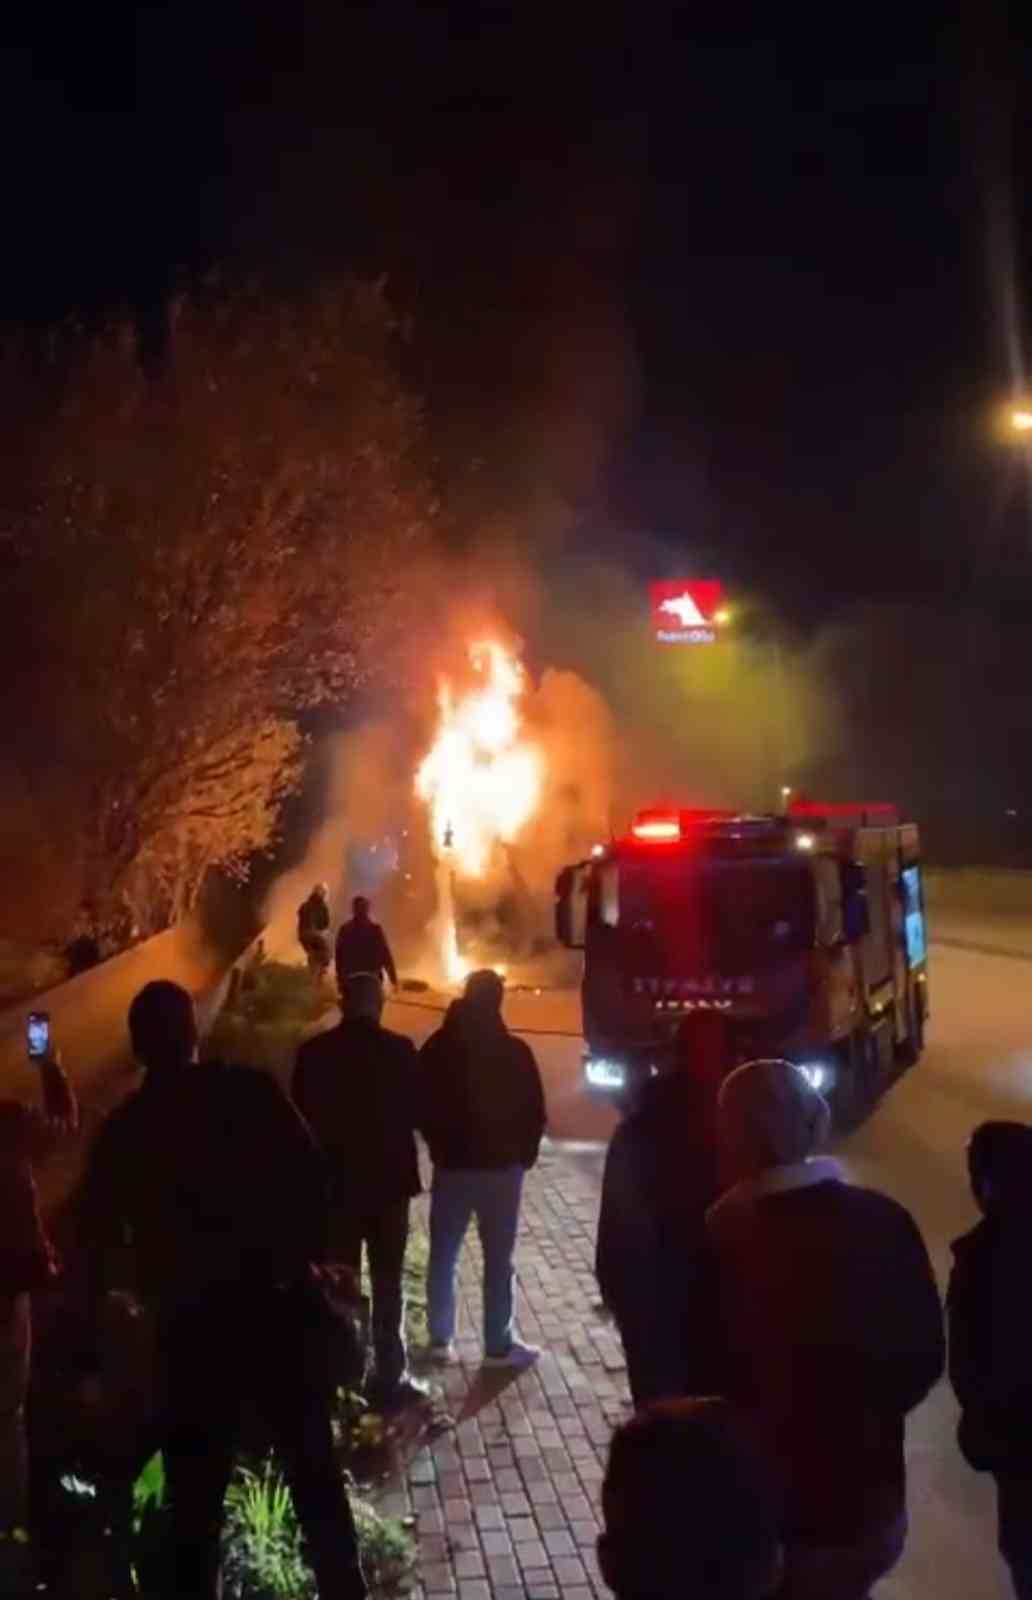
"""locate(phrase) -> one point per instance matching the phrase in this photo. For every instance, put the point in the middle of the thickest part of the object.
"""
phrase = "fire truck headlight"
(603, 1073)
(818, 1074)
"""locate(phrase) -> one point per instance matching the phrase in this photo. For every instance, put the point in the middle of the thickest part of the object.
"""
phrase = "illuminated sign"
(686, 611)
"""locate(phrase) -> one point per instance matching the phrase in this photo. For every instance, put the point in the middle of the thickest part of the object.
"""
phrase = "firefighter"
(313, 925)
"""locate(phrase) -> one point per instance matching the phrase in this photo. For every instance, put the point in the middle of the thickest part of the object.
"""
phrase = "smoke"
(356, 847)
(375, 835)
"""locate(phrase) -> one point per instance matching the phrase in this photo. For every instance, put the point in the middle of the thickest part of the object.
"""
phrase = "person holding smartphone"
(28, 1261)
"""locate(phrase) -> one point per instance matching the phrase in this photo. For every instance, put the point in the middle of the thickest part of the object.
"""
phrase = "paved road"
(978, 1064)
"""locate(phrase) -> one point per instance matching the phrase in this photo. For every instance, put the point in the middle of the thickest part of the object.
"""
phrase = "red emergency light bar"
(669, 827)
(657, 830)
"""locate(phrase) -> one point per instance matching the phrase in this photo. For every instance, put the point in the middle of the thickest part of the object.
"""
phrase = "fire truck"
(806, 931)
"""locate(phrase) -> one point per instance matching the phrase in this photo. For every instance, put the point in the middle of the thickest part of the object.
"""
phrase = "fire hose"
(535, 1033)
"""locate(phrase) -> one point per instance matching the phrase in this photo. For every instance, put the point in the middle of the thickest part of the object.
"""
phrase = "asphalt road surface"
(978, 1064)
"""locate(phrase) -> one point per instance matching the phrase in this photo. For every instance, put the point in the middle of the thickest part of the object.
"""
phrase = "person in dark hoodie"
(28, 1263)
(362, 946)
(218, 1183)
(834, 1330)
(483, 1118)
(356, 1086)
(655, 1269)
(989, 1309)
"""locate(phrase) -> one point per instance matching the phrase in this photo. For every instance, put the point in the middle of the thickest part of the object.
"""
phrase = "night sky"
(730, 294)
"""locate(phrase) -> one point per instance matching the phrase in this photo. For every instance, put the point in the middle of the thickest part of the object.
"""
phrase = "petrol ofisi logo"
(684, 611)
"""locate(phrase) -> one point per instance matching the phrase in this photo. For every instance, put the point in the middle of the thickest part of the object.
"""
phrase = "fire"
(481, 781)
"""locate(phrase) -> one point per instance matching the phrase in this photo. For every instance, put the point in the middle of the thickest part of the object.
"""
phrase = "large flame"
(481, 780)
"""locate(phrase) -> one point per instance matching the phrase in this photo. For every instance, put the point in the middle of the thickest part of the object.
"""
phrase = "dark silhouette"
(688, 1508)
(656, 1270)
(834, 1329)
(28, 1263)
(224, 1193)
(362, 946)
(989, 1307)
(483, 1117)
(357, 1087)
(313, 926)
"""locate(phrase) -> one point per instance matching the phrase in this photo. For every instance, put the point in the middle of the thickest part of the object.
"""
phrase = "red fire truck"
(805, 930)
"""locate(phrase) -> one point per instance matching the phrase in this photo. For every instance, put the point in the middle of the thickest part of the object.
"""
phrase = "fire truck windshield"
(728, 916)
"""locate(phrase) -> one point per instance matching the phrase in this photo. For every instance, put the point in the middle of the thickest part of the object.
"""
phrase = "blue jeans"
(494, 1199)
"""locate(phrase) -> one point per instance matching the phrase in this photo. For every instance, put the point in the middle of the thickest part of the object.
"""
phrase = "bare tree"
(192, 559)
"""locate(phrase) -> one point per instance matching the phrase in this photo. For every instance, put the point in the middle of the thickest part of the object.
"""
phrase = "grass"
(416, 1255)
(262, 1546)
(263, 1549)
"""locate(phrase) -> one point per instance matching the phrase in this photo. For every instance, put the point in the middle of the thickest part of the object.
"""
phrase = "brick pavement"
(507, 1503)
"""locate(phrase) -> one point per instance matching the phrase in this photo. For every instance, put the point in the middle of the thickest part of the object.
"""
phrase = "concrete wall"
(88, 1024)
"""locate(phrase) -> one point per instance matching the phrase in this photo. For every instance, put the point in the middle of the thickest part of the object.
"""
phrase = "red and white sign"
(684, 611)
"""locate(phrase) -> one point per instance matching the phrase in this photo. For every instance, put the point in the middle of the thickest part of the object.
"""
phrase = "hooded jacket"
(216, 1177)
(655, 1267)
(356, 1087)
(362, 947)
(483, 1107)
(834, 1333)
(989, 1308)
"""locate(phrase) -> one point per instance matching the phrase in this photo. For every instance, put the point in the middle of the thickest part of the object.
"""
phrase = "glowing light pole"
(779, 722)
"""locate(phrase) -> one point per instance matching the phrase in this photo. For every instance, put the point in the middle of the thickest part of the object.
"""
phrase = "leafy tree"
(190, 560)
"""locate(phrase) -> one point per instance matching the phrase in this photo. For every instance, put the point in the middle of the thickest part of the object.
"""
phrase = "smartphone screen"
(37, 1034)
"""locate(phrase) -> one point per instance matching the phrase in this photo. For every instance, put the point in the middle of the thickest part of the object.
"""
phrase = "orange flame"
(481, 779)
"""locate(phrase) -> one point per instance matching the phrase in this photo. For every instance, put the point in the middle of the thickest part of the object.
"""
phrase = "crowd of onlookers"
(739, 1262)
(779, 1322)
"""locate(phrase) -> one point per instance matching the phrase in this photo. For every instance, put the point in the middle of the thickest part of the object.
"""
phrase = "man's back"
(483, 1104)
(357, 1086)
(217, 1178)
(362, 947)
(835, 1331)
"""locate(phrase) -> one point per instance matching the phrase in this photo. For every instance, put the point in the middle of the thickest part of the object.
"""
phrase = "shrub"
(269, 1015)
(263, 1557)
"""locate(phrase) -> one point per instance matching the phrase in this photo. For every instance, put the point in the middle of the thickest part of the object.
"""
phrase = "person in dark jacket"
(834, 1329)
(655, 1269)
(357, 1087)
(989, 1308)
(313, 924)
(362, 946)
(223, 1193)
(28, 1263)
(689, 1508)
(483, 1118)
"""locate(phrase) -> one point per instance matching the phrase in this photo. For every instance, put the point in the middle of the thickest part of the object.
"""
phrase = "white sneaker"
(443, 1355)
(517, 1358)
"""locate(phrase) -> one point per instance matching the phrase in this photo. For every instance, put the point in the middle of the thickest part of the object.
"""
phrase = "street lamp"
(779, 722)
(1021, 420)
